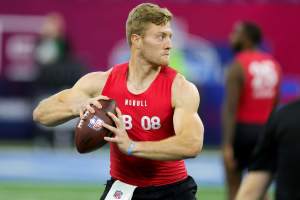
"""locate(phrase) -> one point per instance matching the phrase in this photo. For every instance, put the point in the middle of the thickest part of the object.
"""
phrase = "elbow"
(194, 149)
(39, 117)
(195, 145)
(36, 115)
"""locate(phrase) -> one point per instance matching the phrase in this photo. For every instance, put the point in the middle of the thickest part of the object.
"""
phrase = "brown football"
(89, 133)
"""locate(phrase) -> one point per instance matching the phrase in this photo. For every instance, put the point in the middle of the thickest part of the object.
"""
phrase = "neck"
(246, 48)
(249, 46)
(141, 71)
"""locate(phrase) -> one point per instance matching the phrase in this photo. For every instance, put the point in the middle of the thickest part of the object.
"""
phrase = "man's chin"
(165, 62)
(161, 62)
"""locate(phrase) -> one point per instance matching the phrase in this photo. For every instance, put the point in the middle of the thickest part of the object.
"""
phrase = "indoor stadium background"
(38, 163)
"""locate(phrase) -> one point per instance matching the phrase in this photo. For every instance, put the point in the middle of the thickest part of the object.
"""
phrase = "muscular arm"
(234, 84)
(254, 185)
(188, 139)
(66, 104)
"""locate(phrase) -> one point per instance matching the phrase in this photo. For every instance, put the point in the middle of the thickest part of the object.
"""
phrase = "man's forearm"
(172, 148)
(55, 110)
(228, 121)
(52, 117)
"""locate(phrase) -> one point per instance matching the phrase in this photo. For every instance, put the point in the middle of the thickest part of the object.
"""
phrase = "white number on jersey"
(147, 123)
(265, 78)
(127, 119)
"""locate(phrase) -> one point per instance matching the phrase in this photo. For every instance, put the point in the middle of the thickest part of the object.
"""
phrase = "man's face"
(237, 38)
(156, 44)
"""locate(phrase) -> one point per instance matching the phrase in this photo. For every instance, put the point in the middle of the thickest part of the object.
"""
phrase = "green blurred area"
(36, 191)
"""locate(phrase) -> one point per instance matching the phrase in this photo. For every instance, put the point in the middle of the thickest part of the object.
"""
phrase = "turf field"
(41, 174)
(52, 174)
(36, 191)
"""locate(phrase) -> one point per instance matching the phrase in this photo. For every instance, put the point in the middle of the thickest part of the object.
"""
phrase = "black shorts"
(182, 190)
(245, 139)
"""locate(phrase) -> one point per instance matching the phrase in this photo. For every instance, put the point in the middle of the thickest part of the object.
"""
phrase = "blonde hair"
(143, 14)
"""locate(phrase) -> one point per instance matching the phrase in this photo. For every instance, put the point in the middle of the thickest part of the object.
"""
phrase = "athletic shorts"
(244, 142)
(182, 190)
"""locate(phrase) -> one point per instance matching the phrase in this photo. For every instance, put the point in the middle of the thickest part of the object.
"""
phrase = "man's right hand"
(88, 105)
(228, 155)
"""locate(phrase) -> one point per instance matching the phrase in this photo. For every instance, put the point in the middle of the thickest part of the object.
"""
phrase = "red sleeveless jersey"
(147, 117)
(261, 86)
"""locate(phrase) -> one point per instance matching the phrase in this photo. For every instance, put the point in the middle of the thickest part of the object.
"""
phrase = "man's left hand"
(120, 135)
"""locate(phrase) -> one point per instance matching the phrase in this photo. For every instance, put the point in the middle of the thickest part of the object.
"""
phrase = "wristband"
(130, 148)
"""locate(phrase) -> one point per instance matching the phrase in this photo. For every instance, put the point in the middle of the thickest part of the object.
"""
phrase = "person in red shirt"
(157, 124)
(252, 91)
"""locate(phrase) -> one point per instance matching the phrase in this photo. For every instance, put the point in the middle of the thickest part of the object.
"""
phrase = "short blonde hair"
(143, 14)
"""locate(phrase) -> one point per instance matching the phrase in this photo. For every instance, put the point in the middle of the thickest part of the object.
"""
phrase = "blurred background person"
(57, 67)
(277, 153)
(252, 91)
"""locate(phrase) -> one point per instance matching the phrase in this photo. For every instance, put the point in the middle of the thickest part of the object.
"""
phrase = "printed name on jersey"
(133, 102)
(95, 123)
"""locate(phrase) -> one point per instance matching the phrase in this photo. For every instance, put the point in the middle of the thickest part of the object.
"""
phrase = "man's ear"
(136, 40)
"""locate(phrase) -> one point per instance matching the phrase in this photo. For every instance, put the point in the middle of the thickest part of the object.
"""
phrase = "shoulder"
(92, 83)
(235, 71)
(241, 56)
(184, 93)
(289, 110)
(180, 84)
(284, 113)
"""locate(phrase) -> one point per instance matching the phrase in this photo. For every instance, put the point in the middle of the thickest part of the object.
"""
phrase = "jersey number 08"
(147, 123)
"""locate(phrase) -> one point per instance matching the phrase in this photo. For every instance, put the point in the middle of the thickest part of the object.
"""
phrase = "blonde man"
(157, 125)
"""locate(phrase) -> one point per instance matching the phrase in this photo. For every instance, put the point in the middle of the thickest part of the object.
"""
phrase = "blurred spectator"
(57, 67)
(277, 153)
(252, 91)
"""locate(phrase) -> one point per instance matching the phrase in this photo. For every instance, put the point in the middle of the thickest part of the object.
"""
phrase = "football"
(89, 132)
